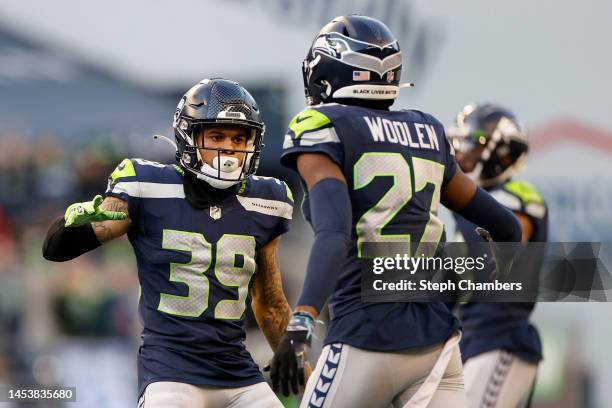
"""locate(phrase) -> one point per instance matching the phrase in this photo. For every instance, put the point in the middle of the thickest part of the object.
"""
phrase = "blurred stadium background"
(85, 84)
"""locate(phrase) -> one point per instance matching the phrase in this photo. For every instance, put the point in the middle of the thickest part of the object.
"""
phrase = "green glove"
(85, 213)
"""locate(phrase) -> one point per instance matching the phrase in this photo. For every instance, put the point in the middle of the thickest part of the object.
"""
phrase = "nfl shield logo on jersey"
(215, 212)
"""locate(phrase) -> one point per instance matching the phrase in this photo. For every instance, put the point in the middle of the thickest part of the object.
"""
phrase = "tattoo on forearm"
(275, 311)
(115, 205)
(103, 232)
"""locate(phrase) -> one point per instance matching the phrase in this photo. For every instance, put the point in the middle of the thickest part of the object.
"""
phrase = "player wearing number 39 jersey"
(205, 235)
(372, 175)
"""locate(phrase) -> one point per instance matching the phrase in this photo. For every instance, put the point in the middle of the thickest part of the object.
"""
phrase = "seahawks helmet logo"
(179, 109)
(327, 45)
(350, 52)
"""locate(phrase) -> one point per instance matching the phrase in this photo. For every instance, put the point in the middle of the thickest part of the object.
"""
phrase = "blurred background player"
(501, 349)
(205, 235)
(372, 175)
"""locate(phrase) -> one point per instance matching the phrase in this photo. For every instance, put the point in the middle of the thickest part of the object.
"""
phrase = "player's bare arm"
(269, 303)
(107, 230)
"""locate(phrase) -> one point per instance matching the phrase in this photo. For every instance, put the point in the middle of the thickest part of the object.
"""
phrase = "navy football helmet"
(217, 101)
(352, 57)
(490, 143)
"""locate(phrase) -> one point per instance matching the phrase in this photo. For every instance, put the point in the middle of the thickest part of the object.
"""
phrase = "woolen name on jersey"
(421, 136)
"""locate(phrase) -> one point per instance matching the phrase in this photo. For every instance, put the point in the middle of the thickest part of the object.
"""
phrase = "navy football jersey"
(395, 163)
(491, 326)
(196, 269)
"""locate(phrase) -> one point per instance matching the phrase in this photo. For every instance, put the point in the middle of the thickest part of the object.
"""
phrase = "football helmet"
(490, 143)
(217, 101)
(352, 57)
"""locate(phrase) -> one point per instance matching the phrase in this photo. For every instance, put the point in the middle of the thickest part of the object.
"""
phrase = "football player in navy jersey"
(501, 349)
(372, 175)
(205, 234)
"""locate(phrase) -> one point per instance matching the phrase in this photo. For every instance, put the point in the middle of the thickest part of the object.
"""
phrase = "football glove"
(287, 365)
(85, 213)
(504, 255)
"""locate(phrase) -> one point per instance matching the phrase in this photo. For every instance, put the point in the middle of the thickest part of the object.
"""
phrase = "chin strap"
(208, 173)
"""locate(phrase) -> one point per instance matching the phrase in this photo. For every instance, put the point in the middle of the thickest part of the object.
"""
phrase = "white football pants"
(497, 379)
(166, 394)
(349, 377)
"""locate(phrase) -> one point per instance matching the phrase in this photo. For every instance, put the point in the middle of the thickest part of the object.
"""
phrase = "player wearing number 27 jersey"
(395, 163)
(205, 234)
(372, 175)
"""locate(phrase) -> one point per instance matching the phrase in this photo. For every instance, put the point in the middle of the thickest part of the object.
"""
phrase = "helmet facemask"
(491, 154)
(228, 166)
(218, 103)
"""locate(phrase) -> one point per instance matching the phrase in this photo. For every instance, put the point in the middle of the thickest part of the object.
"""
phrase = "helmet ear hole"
(190, 158)
(193, 160)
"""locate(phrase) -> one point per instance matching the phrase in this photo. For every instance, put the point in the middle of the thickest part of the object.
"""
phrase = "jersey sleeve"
(450, 165)
(284, 222)
(311, 131)
(270, 202)
(123, 184)
(521, 196)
